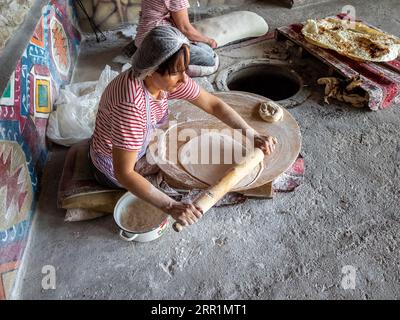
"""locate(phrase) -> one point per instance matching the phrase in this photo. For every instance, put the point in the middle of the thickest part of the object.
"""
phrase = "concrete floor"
(291, 247)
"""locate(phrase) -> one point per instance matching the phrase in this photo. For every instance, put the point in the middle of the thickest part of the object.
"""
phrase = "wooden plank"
(264, 191)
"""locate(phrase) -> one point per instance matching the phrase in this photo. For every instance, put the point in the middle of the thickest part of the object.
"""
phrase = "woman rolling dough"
(136, 102)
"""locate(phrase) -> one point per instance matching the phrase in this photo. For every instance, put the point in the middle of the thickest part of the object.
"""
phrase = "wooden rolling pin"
(212, 195)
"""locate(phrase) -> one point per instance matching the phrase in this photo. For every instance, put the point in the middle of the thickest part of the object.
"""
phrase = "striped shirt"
(157, 13)
(121, 118)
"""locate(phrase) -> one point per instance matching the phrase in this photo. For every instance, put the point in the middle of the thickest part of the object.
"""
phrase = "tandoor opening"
(274, 82)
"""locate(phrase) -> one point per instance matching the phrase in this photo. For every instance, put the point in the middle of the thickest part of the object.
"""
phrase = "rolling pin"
(212, 195)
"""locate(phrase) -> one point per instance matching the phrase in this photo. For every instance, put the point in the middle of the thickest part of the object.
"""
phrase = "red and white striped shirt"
(157, 13)
(121, 117)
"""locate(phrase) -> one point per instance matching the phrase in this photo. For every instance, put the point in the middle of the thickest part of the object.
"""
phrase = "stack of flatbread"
(352, 39)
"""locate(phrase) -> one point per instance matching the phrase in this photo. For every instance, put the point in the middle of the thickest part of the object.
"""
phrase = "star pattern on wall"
(15, 185)
(10, 184)
(7, 276)
(60, 45)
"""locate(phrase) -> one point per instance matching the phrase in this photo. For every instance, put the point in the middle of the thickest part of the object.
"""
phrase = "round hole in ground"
(274, 82)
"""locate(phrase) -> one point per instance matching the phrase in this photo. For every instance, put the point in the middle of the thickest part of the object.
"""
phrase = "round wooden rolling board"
(246, 104)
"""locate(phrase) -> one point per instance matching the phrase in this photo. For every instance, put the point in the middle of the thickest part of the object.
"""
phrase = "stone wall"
(25, 104)
(110, 14)
(12, 14)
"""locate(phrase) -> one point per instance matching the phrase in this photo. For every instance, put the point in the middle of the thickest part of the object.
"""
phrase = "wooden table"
(246, 104)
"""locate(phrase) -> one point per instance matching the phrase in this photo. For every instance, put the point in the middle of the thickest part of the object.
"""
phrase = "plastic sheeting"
(74, 117)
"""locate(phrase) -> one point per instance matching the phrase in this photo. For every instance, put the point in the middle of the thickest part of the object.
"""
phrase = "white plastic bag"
(75, 111)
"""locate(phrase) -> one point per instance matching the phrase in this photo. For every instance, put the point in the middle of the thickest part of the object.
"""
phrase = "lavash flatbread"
(210, 156)
(352, 39)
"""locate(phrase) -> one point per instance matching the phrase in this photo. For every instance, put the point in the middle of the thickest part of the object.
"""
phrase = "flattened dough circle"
(209, 156)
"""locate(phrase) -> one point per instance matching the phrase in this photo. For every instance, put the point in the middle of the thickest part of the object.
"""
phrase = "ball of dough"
(270, 111)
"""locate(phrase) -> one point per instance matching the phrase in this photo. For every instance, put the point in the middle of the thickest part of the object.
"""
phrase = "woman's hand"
(212, 43)
(265, 143)
(184, 213)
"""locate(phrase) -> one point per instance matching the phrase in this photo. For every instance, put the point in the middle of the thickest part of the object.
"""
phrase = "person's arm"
(181, 20)
(221, 110)
(124, 162)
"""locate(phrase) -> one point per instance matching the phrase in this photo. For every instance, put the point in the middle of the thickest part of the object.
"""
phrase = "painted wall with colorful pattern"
(46, 64)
